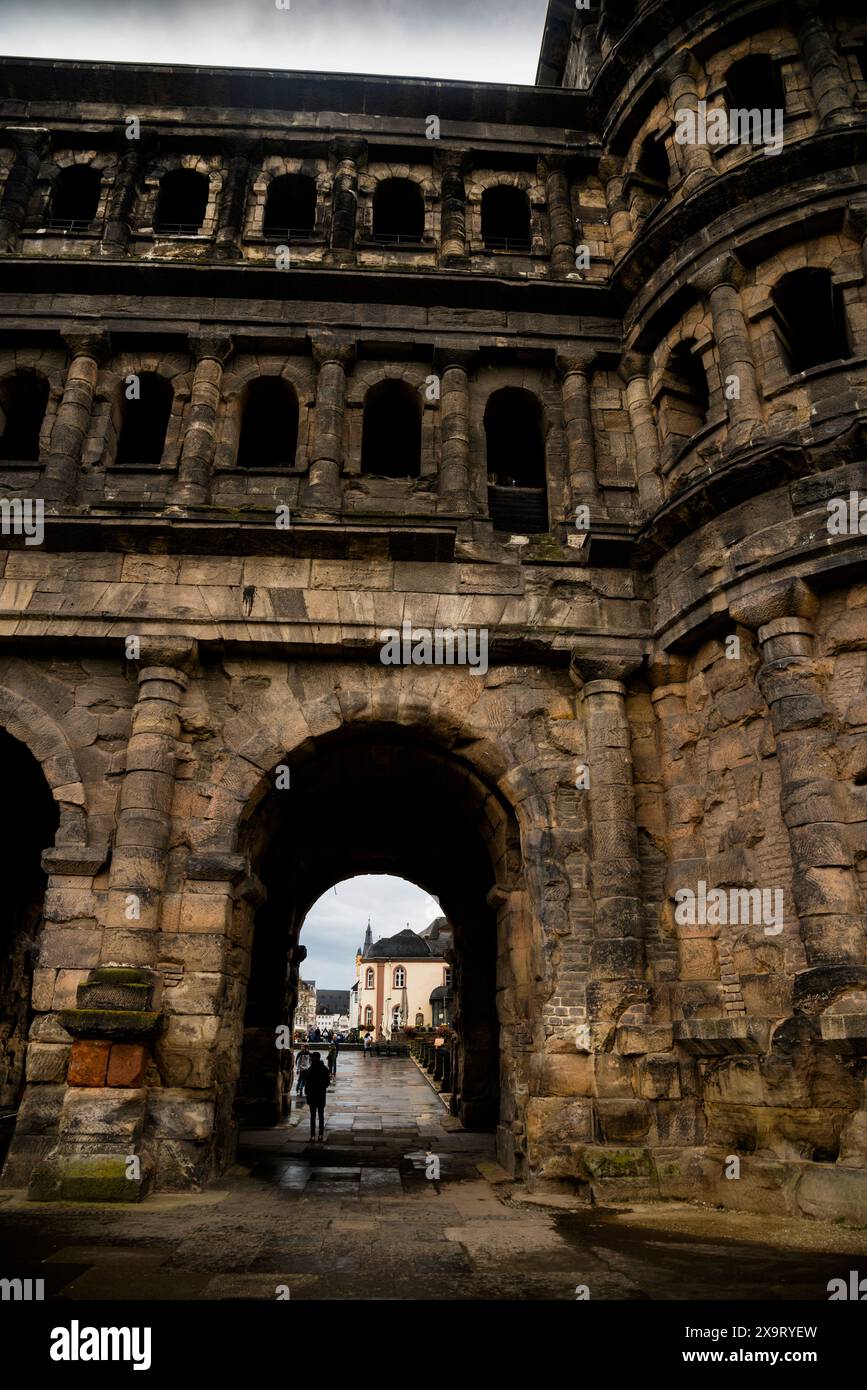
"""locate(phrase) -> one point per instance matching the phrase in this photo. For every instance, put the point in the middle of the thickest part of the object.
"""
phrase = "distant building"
(305, 1009)
(332, 1010)
(405, 980)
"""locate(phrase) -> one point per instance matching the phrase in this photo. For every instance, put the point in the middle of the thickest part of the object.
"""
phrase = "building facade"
(397, 976)
(332, 1010)
(290, 360)
(304, 1017)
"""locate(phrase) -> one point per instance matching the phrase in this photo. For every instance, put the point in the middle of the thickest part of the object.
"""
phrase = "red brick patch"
(127, 1064)
(88, 1062)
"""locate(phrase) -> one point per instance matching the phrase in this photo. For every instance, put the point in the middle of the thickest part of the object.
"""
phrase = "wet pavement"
(357, 1217)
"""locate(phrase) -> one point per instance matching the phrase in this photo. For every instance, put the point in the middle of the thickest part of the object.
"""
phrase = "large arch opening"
(382, 801)
(30, 831)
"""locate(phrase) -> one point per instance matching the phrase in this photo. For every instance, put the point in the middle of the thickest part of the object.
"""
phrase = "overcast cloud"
(471, 40)
(334, 927)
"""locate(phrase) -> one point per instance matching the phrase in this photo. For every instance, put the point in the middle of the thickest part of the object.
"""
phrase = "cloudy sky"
(336, 924)
(472, 40)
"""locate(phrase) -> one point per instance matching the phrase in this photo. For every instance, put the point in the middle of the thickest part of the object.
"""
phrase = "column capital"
(612, 166)
(856, 217)
(217, 347)
(554, 164)
(175, 654)
(465, 358)
(633, 364)
(332, 350)
(579, 361)
(36, 138)
(352, 147)
(679, 65)
(602, 669)
(84, 341)
(723, 270)
(791, 599)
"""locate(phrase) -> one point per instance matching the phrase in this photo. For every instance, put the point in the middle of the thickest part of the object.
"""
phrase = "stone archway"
(378, 798)
(28, 833)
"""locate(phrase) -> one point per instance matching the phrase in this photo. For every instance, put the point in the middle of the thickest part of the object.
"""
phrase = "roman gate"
(290, 362)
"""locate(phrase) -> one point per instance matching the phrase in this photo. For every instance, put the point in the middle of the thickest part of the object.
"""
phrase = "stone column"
(720, 283)
(21, 181)
(824, 884)
(348, 154)
(326, 455)
(453, 231)
(230, 223)
(191, 487)
(455, 490)
(575, 370)
(617, 958)
(118, 223)
(612, 174)
(681, 76)
(88, 348)
(684, 797)
(824, 65)
(560, 221)
(634, 370)
(138, 863)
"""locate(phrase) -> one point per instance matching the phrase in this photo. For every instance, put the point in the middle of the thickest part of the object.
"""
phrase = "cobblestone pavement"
(356, 1217)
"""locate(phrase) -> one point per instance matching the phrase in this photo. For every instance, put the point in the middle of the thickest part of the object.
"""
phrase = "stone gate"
(285, 366)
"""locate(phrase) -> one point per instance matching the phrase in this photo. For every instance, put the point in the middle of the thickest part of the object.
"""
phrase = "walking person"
(368, 1044)
(332, 1058)
(303, 1065)
(315, 1087)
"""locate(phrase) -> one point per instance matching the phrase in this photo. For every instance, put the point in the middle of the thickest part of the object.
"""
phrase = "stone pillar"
(720, 282)
(560, 220)
(326, 455)
(824, 884)
(684, 797)
(856, 225)
(87, 349)
(681, 76)
(617, 957)
(453, 232)
(138, 863)
(575, 370)
(824, 65)
(634, 370)
(118, 223)
(21, 181)
(612, 174)
(233, 201)
(191, 487)
(455, 490)
(348, 154)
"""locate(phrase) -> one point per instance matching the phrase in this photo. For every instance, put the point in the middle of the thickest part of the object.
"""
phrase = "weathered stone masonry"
(431, 389)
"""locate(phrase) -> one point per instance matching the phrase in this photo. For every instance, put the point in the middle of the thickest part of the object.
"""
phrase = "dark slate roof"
(332, 1001)
(407, 945)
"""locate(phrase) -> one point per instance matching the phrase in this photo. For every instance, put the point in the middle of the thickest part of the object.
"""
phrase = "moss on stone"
(618, 1163)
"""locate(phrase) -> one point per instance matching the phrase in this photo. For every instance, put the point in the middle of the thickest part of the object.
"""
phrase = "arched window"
(399, 977)
(145, 420)
(75, 198)
(810, 319)
(368, 1017)
(419, 1020)
(391, 432)
(684, 399)
(368, 978)
(506, 219)
(23, 401)
(269, 424)
(398, 211)
(290, 207)
(754, 84)
(517, 492)
(183, 199)
(652, 165)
